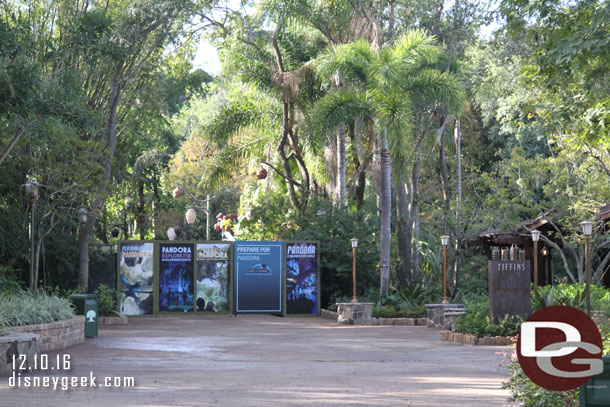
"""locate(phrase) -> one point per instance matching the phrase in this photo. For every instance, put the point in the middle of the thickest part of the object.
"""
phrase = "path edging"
(467, 339)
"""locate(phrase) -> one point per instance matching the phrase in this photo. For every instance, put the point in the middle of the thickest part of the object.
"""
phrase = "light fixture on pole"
(31, 191)
(445, 243)
(82, 215)
(171, 233)
(587, 230)
(354, 242)
(535, 238)
(191, 215)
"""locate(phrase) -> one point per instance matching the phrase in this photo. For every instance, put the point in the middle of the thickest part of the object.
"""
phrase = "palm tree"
(383, 87)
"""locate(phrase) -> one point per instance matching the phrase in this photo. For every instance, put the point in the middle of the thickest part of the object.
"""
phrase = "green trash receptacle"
(596, 391)
(87, 305)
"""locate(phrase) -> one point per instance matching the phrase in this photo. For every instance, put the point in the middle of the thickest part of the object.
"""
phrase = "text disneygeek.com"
(42, 363)
(65, 383)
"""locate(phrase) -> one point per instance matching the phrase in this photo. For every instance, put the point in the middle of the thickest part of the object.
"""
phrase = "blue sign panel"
(302, 278)
(259, 272)
(176, 277)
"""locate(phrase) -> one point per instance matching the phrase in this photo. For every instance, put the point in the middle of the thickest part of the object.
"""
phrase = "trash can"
(86, 304)
(596, 391)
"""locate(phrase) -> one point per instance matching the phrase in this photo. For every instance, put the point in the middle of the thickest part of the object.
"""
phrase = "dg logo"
(560, 348)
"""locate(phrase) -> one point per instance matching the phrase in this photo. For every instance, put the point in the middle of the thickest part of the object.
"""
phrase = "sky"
(207, 59)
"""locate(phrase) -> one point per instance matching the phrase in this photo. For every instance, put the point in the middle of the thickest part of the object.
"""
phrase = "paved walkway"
(272, 361)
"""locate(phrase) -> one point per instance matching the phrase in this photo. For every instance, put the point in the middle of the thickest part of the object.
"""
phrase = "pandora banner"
(302, 282)
(176, 277)
(136, 278)
(258, 276)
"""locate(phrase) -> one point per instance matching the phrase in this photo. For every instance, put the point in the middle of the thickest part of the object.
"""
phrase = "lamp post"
(535, 238)
(354, 245)
(31, 191)
(545, 252)
(587, 229)
(445, 243)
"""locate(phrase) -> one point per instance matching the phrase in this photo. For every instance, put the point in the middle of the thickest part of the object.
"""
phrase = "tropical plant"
(25, 308)
(384, 87)
(107, 299)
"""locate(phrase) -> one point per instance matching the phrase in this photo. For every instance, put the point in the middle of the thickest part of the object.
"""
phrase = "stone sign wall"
(509, 288)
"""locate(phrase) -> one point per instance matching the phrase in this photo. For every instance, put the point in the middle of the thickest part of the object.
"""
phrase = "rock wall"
(56, 335)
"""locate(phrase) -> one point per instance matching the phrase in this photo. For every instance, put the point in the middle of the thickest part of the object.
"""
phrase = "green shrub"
(477, 322)
(528, 394)
(107, 298)
(572, 295)
(26, 308)
(8, 280)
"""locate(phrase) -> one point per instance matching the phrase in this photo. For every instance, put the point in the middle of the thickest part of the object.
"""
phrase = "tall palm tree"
(383, 86)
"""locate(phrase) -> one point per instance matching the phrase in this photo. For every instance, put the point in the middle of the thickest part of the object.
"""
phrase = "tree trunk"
(141, 207)
(340, 193)
(37, 259)
(85, 234)
(443, 172)
(457, 133)
(20, 131)
(386, 208)
(414, 216)
(404, 236)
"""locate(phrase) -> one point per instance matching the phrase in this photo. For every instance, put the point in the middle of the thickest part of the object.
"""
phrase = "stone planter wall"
(16, 344)
(444, 316)
(122, 320)
(56, 335)
(329, 314)
(466, 339)
(381, 321)
(354, 313)
(400, 321)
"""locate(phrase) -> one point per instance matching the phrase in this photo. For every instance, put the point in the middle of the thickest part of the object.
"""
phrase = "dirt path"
(271, 361)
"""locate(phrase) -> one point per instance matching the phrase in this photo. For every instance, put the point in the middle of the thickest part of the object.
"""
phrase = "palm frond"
(247, 143)
(393, 112)
(434, 86)
(341, 106)
(350, 60)
(416, 49)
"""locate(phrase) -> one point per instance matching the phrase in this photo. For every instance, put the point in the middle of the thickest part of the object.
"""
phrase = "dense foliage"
(107, 298)
(26, 308)
(394, 122)
(477, 322)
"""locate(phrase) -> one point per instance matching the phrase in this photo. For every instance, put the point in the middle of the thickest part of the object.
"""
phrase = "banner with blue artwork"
(213, 277)
(176, 277)
(302, 278)
(259, 272)
(136, 278)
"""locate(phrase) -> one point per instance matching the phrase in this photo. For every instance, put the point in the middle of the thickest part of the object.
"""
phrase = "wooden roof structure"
(499, 237)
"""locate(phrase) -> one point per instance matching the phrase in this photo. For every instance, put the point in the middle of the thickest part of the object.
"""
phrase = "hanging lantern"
(177, 192)
(171, 233)
(249, 215)
(261, 173)
(115, 232)
(191, 215)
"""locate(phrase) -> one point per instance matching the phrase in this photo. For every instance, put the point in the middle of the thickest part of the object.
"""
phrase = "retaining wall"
(56, 335)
